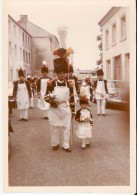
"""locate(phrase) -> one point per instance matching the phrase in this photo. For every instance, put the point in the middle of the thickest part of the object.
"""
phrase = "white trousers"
(31, 102)
(84, 141)
(55, 136)
(45, 113)
(101, 103)
(23, 113)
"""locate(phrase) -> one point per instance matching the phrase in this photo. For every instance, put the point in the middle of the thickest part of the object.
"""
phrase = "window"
(107, 39)
(10, 48)
(15, 29)
(9, 25)
(28, 41)
(15, 50)
(108, 68)
(29, 59)
(23, 37)
(20, 53)
(127, 63)
(114, 33)
(123, 27)
(24, 55)
(117, 66)
(19, 33)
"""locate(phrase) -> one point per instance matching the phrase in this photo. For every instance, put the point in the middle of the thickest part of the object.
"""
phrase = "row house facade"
(43, 44)
(29, 45)
(116, 43)
(19, 54)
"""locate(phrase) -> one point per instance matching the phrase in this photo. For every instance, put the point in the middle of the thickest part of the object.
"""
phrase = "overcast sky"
(80, 17)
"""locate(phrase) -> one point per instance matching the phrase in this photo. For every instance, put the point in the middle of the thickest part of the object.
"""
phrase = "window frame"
(106, 38)
(114, 42)
(123, 36)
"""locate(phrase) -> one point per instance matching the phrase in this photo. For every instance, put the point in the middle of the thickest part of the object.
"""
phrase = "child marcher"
(85, 122)
(101, 93)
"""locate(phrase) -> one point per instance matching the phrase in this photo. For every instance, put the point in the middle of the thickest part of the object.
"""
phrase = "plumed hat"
(20, 73)
(29, 76)
(100, 72)
(44, 68)
(83, 100)
(63, 53)
(59, 52)
(60, 65)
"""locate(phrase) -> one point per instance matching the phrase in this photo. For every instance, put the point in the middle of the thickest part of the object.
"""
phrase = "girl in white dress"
(85, 122)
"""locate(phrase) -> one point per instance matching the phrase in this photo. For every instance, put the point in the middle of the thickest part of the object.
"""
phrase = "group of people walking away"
(58, 97)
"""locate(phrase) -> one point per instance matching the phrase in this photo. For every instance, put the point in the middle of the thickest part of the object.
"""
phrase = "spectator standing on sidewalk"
(101, 93)
(42, 88)
(59, 112)
(22, 93)
(85, 122)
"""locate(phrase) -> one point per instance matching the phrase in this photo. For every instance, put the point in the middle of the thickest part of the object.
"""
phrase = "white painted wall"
(121, 47)
(16, 58)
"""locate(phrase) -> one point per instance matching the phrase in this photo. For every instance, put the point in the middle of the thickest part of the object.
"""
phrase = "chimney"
(23, 18)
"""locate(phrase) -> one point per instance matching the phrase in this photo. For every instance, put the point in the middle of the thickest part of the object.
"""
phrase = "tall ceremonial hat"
(59, 52)
(60, 65)
(83, 100)
(100, 72)
(29, 77)
(63, 53)
(44, 67)
(20, 72)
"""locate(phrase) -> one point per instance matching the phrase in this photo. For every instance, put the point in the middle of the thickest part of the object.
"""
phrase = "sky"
(80, 17)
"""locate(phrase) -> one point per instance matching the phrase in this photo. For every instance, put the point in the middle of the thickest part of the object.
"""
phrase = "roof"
(35, 30)
(18, 25)
(108, 15)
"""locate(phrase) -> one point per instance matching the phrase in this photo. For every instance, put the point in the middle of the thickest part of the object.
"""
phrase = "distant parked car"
(11, 99)
(118, 95)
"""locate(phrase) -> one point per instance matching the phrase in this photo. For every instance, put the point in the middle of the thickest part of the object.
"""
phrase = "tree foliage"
(99, 39)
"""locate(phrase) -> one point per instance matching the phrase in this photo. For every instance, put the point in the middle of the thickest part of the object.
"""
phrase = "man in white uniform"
(101, 92)
(59, 112)
(22, 93)
(42, 88)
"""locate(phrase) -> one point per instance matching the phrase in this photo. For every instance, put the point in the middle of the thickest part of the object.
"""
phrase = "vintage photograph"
(69, 94)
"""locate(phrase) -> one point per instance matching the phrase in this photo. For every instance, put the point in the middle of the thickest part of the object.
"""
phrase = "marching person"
(85, 122)
(42, 88)
(90, 86)
(85, 91)
(59, 112)
(22, 93)
(35, 84)
(101, 93)
(30, 80)
(65, 53)
(72, 78)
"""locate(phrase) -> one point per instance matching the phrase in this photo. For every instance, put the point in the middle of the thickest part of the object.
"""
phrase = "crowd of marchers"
(59, 97)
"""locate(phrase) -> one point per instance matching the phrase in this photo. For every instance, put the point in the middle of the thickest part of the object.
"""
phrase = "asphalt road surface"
(104, 163)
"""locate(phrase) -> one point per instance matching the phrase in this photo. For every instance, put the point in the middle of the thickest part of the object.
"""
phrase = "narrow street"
(104, 163)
